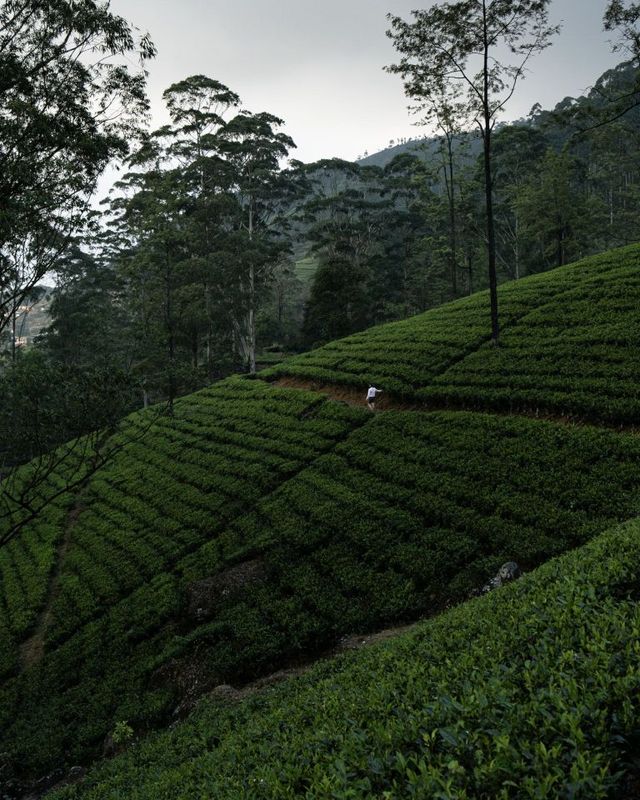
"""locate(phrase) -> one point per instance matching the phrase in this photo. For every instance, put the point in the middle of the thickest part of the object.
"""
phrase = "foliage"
(122, 733)
(529, 692)
(461, 62)
(69, 103)
(350, 521)
(196, 230)
(569, 346)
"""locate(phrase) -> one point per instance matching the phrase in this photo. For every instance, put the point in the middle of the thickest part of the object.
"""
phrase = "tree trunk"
(488, 182)
(251, 344)
(517, 247)
(251, 317)
(13, 334)
(194, 348)
(452, 221)
(209, 334)
(170, 335)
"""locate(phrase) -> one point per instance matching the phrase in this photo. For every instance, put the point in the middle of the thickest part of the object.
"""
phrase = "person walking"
(371, 397)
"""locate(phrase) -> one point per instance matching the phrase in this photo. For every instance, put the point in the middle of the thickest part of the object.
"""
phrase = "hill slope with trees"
(255, 525)
(569, 346)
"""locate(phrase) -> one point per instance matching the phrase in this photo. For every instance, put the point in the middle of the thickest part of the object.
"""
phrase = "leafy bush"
(351, 520)
(530, 692)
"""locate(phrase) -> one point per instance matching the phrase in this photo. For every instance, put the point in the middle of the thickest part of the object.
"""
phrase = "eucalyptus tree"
(614, 177)
(518, 151)
(70, 101)
(199, 107)
(200, 224)
(453, 56)
(362, 224)
(342, 232)
(558, 214)
(399, 266)
(253, 148)
(148, 239)
(623, 18)
(447, 121)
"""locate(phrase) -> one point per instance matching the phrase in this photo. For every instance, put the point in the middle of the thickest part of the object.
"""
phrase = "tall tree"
(152, 229)
(447, 126)
(451, 53)
(556, 213)
(623, 17)
(198, 106)
(69, 103)
(254, 147)
(518, 150)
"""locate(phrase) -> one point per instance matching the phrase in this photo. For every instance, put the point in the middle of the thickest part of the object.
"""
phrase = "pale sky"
(318, 64)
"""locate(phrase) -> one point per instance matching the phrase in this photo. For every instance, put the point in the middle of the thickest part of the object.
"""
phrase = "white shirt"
(371, 394)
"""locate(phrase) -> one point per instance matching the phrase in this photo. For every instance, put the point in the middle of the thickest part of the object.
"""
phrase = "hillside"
(263, 522)
(425, 148)
(529, 692)
(569, 345)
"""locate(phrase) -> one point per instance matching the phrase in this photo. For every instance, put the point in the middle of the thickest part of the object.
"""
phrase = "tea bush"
(350, 521)
(530, 692)
(569, 345)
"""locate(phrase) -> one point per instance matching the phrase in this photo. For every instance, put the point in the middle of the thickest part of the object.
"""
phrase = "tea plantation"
(258, 525)
(569, 345)
(530, 692)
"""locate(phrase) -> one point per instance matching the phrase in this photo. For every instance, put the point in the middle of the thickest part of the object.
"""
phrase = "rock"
(75, 773)
(508, 572)
(224, 692)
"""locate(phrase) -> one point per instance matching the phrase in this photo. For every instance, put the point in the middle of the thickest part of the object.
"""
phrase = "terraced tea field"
(259, 524)
(529, 692)
(569, 345)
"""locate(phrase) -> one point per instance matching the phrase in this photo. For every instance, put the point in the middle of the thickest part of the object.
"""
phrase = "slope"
(530, 692)
(569, 345)
(259, 524)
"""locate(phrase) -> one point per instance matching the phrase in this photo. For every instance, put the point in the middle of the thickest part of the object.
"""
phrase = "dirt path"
(349, 394)
(388, 402)
(32, 649)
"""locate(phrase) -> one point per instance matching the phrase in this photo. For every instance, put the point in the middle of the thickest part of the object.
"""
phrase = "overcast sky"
(318, 64)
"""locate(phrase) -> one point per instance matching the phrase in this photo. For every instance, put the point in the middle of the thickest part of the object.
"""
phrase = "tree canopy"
(70, 101)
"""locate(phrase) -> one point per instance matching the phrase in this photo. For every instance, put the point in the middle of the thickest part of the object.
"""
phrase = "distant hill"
(425, 148)
(268, 518)
(618, 80)
(33, 315)
(418, 146)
